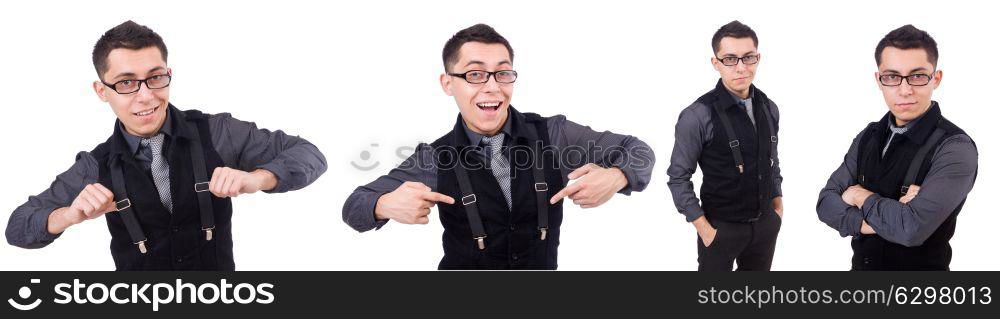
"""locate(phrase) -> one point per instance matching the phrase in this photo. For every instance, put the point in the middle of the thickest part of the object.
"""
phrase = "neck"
(744, 94)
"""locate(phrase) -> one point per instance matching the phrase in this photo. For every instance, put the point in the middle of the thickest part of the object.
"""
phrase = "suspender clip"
(734, 143)
(142, 246)
(481, 241)
(740, 167)
(208, 233)
(544, 231)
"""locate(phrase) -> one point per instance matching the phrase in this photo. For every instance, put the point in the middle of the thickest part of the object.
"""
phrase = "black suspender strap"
(918, 159)
(124, 206)
(541, 187)
(201, 180)
(734, 142)
(774, 137)
(471, 208)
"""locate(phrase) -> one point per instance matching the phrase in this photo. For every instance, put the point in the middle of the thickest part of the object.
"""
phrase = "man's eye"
(475, 75)
(126, 82)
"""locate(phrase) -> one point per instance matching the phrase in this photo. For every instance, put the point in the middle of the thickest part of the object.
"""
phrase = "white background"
(352, 74)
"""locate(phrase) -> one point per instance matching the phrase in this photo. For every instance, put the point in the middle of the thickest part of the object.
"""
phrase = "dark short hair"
(128, 35)
(905, 38)
(478, 33)
(733, 29)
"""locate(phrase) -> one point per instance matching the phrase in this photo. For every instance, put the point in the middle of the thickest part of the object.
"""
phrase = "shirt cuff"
(629, 178)
(853, 223)
(693, 214)
(376, 223)
(40, 220)
(869, 205)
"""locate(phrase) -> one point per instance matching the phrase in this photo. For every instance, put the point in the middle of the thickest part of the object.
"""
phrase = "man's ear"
(101, 90)
(937, 78)
(715, 63)
(446, 83)
(878, 83)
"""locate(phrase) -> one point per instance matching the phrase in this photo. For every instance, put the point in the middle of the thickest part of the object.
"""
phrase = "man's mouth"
(146, 112)
(489, 106)
(905, 105)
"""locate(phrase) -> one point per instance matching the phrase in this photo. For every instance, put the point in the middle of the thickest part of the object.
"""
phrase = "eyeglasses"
(912, 79)
(480, 77)
(732, 60)
(133, 85)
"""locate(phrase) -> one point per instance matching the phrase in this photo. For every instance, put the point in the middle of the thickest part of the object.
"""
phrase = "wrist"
(266, 180)
(58, 222)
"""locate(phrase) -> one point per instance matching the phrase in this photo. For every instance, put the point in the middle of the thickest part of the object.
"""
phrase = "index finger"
(437, 197)
(569, 190)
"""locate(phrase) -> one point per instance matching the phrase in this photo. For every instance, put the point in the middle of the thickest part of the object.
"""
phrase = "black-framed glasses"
(918, 79)
(133, 85)
(732, 60)
(480, 77)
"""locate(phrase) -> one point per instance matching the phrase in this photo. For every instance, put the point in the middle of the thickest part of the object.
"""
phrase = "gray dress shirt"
(586, 145)
(293, 160)
(951, 176)
(693, 132)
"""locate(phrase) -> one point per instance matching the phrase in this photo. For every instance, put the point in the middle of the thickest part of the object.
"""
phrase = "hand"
(228, 182)
(410, 203)
(779, 207)
(94, 201)
(594, 185)
(910, 194)
(855, 195)
(705, 230)
(867, 229)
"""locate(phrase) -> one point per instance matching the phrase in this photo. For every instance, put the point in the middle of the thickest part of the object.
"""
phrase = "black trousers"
(750, 245)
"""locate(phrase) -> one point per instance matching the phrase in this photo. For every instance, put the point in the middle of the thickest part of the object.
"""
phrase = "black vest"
(884, 176)
(175, 241)
(726, 193)
(513, 238)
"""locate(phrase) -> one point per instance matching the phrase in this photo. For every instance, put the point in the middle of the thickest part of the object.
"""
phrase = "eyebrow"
(911, 71)
(484, 63)
(130, 74)
(734, 55)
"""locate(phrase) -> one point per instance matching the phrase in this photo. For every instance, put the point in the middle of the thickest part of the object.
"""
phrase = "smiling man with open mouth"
(498, 176)
(165, 177)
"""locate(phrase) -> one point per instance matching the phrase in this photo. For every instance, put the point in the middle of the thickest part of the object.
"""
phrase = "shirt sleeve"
(952, 174)
(777, 163)
(831, 208)
(293, 160)
(359, 209)
(28, 224)
(691, 134)
(579, 145)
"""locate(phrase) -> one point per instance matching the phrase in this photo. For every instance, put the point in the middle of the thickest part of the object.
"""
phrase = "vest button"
(513, 256)
(512, 227)
(176, 229)
(180, 259)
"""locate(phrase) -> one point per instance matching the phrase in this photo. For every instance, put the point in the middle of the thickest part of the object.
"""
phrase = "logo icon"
(365, 156)
(25, 293)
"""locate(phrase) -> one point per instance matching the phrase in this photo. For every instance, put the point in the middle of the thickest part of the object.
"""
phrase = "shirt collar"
(476, 138)
(134, 141)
